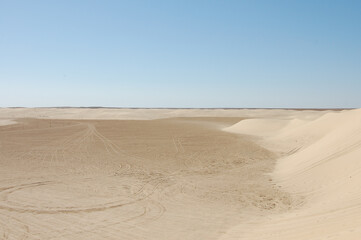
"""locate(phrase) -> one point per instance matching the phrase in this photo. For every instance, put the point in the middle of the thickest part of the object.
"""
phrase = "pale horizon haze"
(180, 54)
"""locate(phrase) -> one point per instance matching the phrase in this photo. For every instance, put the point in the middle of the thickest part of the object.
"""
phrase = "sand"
(4, 122)
(180, 174)
(322, 166)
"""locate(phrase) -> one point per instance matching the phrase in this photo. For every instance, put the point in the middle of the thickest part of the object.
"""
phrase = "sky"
(188, 53)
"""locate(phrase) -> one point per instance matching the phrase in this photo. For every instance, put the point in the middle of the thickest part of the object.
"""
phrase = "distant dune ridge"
(324, 167)
(146, 114)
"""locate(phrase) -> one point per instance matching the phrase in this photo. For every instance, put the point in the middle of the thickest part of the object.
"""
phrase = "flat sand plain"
(179, 174)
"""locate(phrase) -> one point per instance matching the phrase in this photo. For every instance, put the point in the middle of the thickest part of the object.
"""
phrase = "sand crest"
(323, 170)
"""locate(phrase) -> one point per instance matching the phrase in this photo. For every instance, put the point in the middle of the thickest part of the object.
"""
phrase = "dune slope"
(323, 169)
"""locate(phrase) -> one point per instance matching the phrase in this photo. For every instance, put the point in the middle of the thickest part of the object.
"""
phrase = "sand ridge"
(322, 166)
(147, 114)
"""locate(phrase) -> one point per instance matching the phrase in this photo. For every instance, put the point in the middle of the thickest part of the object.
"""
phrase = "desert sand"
(78, 173)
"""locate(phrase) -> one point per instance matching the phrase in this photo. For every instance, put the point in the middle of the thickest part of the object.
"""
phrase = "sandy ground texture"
(321, 165)
(179, 174)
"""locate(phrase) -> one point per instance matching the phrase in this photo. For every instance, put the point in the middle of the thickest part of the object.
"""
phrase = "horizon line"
(201, 108)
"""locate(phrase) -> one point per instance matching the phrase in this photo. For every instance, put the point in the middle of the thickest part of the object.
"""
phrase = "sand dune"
(324, 172)
(180, 174)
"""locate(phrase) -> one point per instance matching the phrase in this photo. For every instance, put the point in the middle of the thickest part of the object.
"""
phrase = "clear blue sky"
(304, 53)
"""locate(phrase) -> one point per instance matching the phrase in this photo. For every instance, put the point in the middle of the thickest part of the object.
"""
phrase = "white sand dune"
(325, 173)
